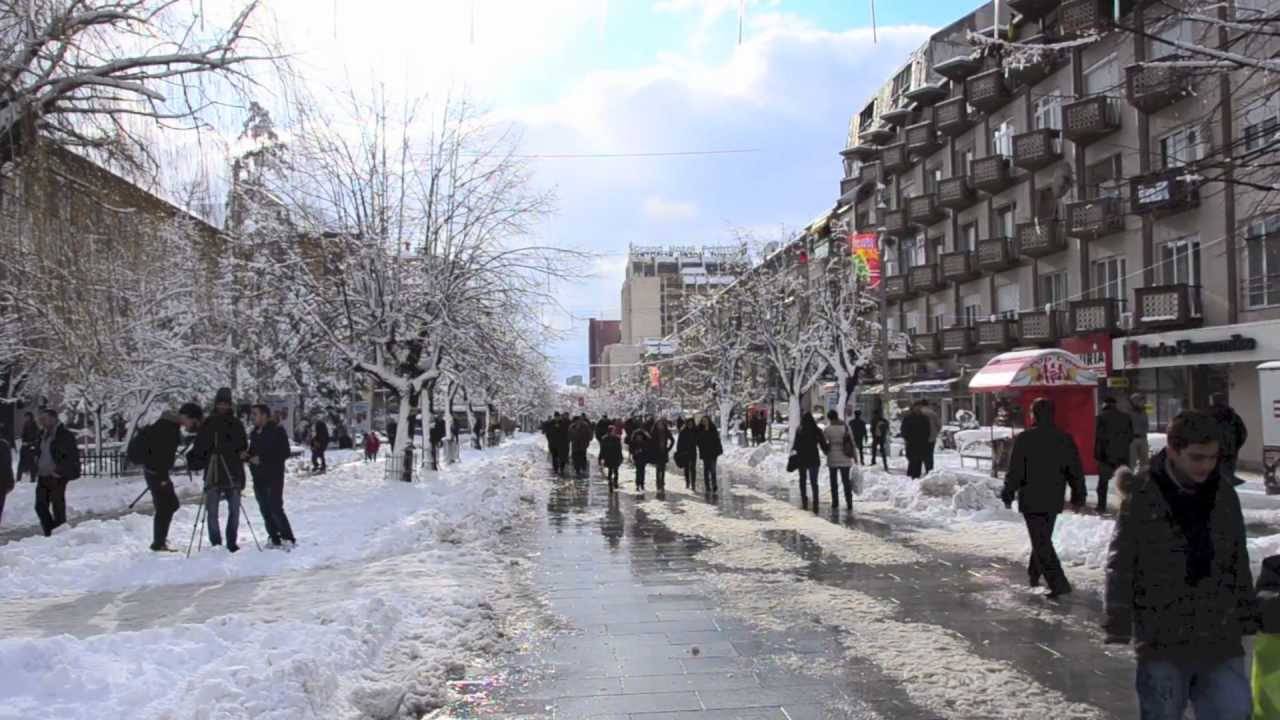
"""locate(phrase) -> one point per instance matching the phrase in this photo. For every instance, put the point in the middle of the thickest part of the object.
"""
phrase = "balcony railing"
(1101, 315)
(951, 117)
(894, 158)
(1033, 9)
(992, 174)
(897, 287)
(898, 116)
(1040, 238)
(924, 210)
(922, 138)
(927, 94)
(1077, 18)
(869, 176)
(996, 254)
(960, 266)
(848, 185)
(926, 345)
(1084, 121)
(1036, 149)
(1092, 219)
(1039, 327)
(926, 278)
(987, 91)
(1164, 193)
(997, 334)
(1167, 307)
(877, 135)
(956, 340)
(1152, 87)
(958, 68)
(895, 222)
(1029, 71)
(956, 193)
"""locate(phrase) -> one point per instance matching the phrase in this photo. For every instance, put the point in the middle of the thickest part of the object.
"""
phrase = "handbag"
(793, 462)
(846, 443)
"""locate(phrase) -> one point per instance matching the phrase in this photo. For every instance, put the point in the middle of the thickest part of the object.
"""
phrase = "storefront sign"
(1093, 350)
(1119, 383)
(864, 248)
(1136, 352)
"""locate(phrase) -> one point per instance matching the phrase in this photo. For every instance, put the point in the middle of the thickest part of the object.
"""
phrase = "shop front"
(1180, 370)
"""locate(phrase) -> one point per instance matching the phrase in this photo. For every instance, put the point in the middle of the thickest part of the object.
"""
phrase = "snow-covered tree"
(718, 345)
(845, 318)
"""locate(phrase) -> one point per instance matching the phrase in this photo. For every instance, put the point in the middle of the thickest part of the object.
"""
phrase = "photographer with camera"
(268, 451)
(155, 447)
(220, 440)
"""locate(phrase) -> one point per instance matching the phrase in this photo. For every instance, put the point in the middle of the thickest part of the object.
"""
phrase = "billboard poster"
(864, 249)
(360, 413)
(655, 376)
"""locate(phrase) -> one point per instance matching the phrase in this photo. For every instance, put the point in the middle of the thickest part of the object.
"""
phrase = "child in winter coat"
(611, 454)
(371, 446)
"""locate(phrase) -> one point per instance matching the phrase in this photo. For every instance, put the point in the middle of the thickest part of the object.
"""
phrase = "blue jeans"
(212, 496)
(1217, 690)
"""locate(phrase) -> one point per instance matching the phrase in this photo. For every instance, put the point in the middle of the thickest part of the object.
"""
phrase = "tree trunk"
(793, 417)
(842, 379)
(726, 409)
(403, 427)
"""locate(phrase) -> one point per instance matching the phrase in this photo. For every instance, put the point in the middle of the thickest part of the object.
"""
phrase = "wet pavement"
(646, 631)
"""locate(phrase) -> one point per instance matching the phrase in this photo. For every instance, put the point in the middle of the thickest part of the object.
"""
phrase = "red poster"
(1094, 350)
(864, 248)
(655, 376)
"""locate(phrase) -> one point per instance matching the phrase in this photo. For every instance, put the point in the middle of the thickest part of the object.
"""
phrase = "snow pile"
(943, 495)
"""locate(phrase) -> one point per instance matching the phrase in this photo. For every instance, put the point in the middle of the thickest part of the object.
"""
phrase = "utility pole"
(884, 325)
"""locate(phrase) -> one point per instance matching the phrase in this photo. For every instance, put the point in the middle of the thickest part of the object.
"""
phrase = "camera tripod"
(201, 515)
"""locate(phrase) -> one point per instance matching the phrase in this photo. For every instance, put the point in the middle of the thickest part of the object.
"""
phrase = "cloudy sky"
(619, 77)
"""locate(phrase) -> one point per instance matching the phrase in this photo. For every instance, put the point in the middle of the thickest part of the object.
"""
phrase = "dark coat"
(391, 432)
(436, 434)
(858, 427)
(321, 438)
(611, 450)
(709, 445)
(686, 445)
(558, 435)
(806, 445)
(6, 468)
(602, 428)
(1232, 433)
(660, 444)
(160, 442)
(639, 440)
(65, 451)
(1149, 594)
(879, 428)
(271, 446)
(1269, 594)
(580, 434)
(1044, 462)
(915, 432)
(221, 438)
(1112, 434)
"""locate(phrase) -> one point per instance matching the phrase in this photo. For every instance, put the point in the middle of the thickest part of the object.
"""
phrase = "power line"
(672, 153)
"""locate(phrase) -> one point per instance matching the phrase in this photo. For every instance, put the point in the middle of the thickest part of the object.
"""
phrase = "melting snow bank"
(350, 636)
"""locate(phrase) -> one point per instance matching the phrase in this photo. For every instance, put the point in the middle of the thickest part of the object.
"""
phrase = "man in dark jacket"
(1044, 462)
(57, 463)
(1112, 438)
(558, 443)
(477, 433)
(6, 472)
(710, 449)
(319, 444)
(267, 454)
(436, 437)
(1178, 580)
(915, 431)
(580, 434)
(220, 440)
(30, 448)
(858, 428)
(160, 444)
(1232, 435)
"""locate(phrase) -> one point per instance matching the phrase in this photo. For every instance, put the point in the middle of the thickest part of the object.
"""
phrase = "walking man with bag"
(1112, 439)
(217, 449)
(157, 448)
(858, 426)
(839, 458)
(57, 463)
(268, 451)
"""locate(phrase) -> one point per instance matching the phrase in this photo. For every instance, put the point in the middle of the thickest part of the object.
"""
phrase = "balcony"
(987, 91)
(958, 68)
(996, 254)
(927, 94)
(926, 345)
(924, 210)
(1078, 18)
(1040, 238)
(898, 116)
(1151, 88)
(878, 135)
(959, 266)
(956, 341)
(869, 175)
(848, 186)
(895, 222)
(926, 278)
(1033, 9)
(951, 117)
(1092, 219)
(893, 158)
(897, 287)
(997, 334)
(1036, 149)
(1039, 327)
(1084, 121)
(922, 139)
(1167, 307)
(1164, 193)
(1028, 72)
(992, 174)
(956, 193)
(1101, 315)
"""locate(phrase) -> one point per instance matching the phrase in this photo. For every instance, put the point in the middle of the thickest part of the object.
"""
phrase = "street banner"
(864, 249)
(655, 376)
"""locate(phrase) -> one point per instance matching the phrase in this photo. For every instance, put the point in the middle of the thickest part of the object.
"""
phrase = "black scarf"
(1192, 506)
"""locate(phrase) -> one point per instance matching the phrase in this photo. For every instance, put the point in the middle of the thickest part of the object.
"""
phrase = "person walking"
(660, 444)
(57, 463)
(1140, 448)
(935, 429)
(580, 434)
(319, 444)
(29, 450)
(840, 447)
(435, 436)
(560, 442)
(880, 438)
(1112, 439)
(759, 427)
(220, 440)
(611, 454)
(268, 451)
(159, 444)
(1043, 464)
(603, 427)
(477, 433)
(1232, 435)
(710, 449)
(915, 436)
(687, 452)
(639, 441)
(858, 427)
(7, 481)
(804, 452)
(371, 446)
(1178, 580)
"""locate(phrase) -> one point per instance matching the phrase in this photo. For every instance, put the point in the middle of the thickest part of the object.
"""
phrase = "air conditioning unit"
(1126, 321)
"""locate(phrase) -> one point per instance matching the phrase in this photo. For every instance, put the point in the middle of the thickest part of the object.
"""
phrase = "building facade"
(600, 333)
(1078, 198)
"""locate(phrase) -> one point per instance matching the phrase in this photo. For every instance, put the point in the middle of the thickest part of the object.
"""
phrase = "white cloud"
(663, 210)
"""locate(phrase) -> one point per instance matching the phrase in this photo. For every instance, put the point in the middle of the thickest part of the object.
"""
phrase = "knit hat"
(222, 396)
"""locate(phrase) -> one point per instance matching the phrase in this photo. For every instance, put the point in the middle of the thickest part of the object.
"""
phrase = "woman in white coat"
(839, 458)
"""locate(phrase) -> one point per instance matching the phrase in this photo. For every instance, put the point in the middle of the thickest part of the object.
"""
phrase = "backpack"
(136, 453)
(846, 443)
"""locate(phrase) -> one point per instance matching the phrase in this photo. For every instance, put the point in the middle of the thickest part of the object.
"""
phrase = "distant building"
(600, 333)
(574, 381)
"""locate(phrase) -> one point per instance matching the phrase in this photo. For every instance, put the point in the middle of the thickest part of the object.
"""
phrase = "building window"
(1103, 178)
(1008, 300)
(906, 190)
(939, 322)
(913, 323)
(901, 84)
(971, 314)
(1110, 280)
(1180, 261)
(932, 176)
(1004, 221)
(969, 237)
(939, 247)
(964, 162)
(1002, 139)
(862, 220)
(1261, 123)
(1181, 147)
(1176, 30)
(1053, 289)
(1103, 78)
(1262, 259)
(1048, 112)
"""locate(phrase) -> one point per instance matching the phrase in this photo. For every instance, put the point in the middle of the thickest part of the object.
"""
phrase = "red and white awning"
(1033, 368)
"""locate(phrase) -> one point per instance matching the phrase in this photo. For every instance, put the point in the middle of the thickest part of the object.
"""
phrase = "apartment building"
(1077, 198)
(600, 334)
